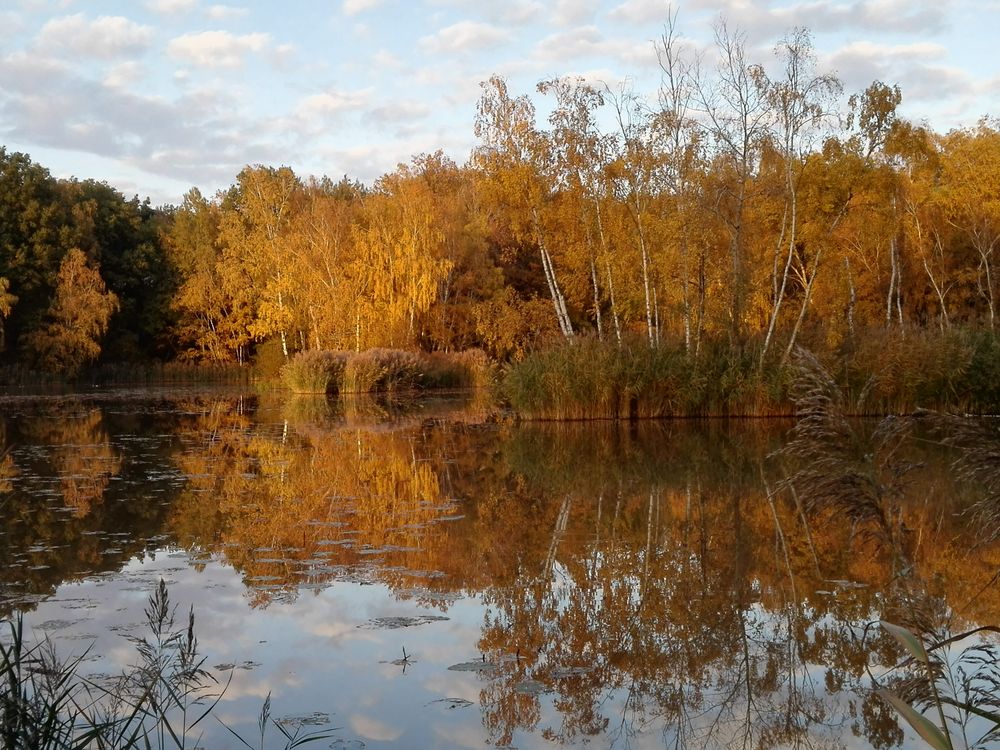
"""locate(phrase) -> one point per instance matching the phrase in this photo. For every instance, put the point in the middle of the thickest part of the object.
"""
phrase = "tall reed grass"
(314, 372)
(385, 371)
(880, 373)
(590, 379)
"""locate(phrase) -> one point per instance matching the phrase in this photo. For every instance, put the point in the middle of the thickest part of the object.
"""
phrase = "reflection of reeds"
(977, 461)
(842, 467)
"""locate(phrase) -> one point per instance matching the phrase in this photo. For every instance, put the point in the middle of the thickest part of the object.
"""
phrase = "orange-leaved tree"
(70, 337)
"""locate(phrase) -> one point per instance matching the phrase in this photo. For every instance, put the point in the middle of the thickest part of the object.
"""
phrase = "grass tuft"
(314, 371)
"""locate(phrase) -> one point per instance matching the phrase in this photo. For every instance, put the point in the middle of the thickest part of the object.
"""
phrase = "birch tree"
(511, 160)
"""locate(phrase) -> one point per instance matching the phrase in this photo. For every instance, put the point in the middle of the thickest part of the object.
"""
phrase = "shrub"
(381, 370)
(314, 371)
(467, 369)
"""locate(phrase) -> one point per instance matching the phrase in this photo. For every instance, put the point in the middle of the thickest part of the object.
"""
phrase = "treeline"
(739, 208)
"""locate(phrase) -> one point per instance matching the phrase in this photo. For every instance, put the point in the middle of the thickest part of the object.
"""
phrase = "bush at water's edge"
(385, 371)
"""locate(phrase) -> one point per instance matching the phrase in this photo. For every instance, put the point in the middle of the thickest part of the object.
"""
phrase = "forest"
(748, 206)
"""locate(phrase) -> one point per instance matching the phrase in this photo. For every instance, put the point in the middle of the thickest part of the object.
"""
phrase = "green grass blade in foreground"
(922, 725)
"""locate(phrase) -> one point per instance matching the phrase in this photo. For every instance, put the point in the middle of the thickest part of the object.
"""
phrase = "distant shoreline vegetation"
(667, 264)
(589, 379)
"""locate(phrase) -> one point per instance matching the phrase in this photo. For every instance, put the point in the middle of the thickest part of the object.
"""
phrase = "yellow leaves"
(76, 320)
(400, 259)
(7, 302)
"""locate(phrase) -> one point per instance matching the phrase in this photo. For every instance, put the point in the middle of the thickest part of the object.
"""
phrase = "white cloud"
(640, 12)
(761, 21)
(859, 63)
(403, 111)
(332, 103)
(464, 36)
(224, 12)
(171, 7)
(124, 74)
(282, 55)
(587, 42)
(520, 12)
(216, 49)
(106, 37)
(385, 59)
(12, 23)
(353, 7)
(373, 729)
(573, 12)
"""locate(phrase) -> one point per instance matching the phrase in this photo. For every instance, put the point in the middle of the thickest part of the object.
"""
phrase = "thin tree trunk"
(779, 289)
(851, 298)
(984, 265)
(614, 307)
(802, 310)
(558, 301)
(943, 321)
(686, 289)
(645, 279)
(597, 299)
(611, 289)
(893, 281)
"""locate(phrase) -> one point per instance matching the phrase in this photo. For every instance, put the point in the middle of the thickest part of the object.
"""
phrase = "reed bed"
(590, 379)
(385, 371)
(957, 370)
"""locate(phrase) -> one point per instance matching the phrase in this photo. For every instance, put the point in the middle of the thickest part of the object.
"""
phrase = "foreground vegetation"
(722, 236)
(159, 702)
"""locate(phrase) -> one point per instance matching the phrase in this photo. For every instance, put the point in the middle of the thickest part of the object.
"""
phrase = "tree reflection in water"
(655, 577)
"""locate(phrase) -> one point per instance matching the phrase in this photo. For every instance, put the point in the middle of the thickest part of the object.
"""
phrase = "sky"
(158, 96)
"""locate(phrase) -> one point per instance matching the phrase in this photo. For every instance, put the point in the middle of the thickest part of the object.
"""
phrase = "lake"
(426, 574)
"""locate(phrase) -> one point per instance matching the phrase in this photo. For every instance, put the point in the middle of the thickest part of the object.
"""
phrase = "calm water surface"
(646, 586)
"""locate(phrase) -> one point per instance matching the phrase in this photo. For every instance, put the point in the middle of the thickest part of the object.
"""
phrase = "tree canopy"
(735, 206)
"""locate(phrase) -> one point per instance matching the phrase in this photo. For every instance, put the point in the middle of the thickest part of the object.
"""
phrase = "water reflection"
(652, 584)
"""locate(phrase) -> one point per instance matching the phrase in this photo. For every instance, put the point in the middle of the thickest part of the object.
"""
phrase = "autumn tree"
(876, 235)
(77, 319)
(970, 203)
(320, 245)
(211, 322)
(510, 161)
(578, 154)
(635, 175)
(684, 153)
(400, 261)
(800, 100)
(256, 216)
(32, 222)
(7, 302)
(735, 107)
(123, 237)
